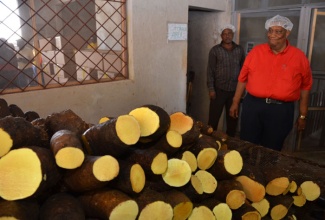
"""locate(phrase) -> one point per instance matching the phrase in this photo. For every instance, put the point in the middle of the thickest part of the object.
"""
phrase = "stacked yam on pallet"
(144, 165)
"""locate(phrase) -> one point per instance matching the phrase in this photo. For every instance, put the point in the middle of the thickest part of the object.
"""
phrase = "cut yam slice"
(174, 139)
(153, 120)
(202, 212)
(16, 169)
(127, 129)
(67, 149)
(178, 173)
(228, 164)
(185, 125)
(157, 210)
(69, 157)
(311, 190)
(106, 168)
(277, 186)
(181, 122)
(6, 142)
(300, 200)
(209, 183)
(103, 119)
(262, 206)
(190, 158)
(206, 158)
(222, 211)
(148, 120)
(159, 163)
(254, 190)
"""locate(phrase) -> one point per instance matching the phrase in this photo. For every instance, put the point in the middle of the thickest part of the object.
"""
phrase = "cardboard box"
(48, 68)
(106, 75)
(83, 73)
(48, 56)
(112, 63)
(70, 42)
(58, 71)
(46, 44)
(89, 58)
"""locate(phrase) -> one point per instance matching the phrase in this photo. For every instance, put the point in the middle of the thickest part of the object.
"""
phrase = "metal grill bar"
(71, 42)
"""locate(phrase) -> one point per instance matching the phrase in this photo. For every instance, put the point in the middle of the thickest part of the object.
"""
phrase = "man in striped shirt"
(225, 62)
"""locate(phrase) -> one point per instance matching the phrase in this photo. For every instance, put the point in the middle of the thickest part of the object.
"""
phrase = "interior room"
(103, 59)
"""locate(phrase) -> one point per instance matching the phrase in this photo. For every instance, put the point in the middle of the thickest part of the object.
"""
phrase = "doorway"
(202, 36)
(313, 138)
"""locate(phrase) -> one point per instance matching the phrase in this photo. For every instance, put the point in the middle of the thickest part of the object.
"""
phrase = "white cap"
(279, 21)
(227, 26)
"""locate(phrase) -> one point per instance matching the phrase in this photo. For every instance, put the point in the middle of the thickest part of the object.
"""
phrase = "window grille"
(57, 43)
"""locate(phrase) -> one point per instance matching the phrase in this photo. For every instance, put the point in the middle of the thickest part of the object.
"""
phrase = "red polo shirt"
(278, 76)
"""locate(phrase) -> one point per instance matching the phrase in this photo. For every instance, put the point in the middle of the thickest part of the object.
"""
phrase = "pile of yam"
(147, 164)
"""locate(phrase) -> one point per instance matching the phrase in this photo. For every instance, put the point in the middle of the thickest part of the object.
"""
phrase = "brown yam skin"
(225, 187)
(144, 157)
(204, 128)
(123, 182)
(164, 123)
(102, 139)
(21, 209)
(245, 209)
(40, 124)
(4, 108)
(148, 196)
(64, 138)
(191, 136)
(22, 132)
(82, 179)
(62, 206)
(218, 169)
(100, 203)
(201, 144)
(31, 115)
(50, 170)
(16, 111)
(65, 120)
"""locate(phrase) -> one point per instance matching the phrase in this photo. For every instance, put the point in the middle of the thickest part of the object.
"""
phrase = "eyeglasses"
(277, 32)
(227, 34)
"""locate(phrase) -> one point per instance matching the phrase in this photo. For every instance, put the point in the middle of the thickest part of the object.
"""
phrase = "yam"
(113, 137)
(154, 122)
(109, 204)
(65, 120)
(186, 126)
(19, 165)
(67, 149)
(94, 173)
(16, 132)
(62, 206)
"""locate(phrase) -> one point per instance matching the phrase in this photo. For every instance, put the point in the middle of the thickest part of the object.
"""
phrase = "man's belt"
(269, 100)
(273, 101)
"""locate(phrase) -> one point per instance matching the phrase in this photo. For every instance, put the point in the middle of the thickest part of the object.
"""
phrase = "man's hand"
(301, 124)
(212, 94)
(234, 110)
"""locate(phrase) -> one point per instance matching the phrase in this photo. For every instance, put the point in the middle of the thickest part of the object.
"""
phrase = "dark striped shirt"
(224, 67)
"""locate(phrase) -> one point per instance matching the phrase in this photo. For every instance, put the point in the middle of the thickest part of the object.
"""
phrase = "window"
(48, 44)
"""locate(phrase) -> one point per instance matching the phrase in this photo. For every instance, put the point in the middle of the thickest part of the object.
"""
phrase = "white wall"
(157, 68)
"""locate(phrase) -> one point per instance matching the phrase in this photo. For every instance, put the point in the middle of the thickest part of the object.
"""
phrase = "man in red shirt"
(275, 75)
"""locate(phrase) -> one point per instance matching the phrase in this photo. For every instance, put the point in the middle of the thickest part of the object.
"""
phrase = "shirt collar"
(285, 49)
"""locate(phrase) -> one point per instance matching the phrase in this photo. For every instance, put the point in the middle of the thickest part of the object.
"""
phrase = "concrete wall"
(157, 68)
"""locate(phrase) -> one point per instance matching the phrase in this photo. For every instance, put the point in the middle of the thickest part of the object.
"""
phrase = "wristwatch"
(303, 117)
